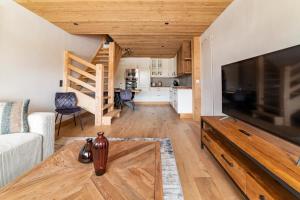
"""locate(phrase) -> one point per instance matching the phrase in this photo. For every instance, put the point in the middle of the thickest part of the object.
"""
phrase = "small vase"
(85, 154)
(100, 153)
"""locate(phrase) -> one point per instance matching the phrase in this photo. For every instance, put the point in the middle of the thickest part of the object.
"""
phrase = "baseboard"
(152, 103)
(70, 120)
(186, 116)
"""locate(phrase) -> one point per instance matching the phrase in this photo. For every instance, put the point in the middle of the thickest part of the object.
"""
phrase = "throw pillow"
(13, 117)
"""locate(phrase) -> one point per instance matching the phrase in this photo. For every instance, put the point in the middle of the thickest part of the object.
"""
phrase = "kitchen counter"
(175, 87)
(133, 90)
(182, 87)
(160, 86)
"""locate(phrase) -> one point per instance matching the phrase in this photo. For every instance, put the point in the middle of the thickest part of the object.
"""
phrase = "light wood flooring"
(201, 177)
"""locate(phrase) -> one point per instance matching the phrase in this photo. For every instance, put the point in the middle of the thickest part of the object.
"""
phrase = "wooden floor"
(200, 175)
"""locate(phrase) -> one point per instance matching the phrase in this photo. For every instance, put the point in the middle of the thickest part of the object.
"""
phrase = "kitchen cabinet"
(163, 67)
(184, 59)
(156, 68)
(159, 94)
(153, 94)
(144, 77)
(181, 100)
(172, 67)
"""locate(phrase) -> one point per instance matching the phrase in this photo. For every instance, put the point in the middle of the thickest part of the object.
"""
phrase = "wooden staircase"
(93, 82)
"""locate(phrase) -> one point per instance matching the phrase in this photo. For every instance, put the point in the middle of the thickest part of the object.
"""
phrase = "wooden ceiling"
(151, 28)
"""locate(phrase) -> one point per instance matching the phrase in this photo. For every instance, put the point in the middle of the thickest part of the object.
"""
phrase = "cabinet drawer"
(209, 143)
(226, 159)
(254, 191)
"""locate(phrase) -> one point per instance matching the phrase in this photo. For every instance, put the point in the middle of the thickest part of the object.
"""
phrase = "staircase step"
(114, 113)
(105, 63)
(103, 53)
(107, 118)
(107, 106)
(101, 59)
(102, 56)
(107, 97)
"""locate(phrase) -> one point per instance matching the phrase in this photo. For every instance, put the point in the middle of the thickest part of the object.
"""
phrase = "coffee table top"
(133, 172)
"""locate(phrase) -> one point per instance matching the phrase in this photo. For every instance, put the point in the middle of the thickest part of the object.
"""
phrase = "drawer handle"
(227, 161)
(208, 140)
(261, 197)
(245, 132)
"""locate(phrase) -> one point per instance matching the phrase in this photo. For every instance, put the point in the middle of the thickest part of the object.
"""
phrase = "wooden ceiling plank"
(136, 24)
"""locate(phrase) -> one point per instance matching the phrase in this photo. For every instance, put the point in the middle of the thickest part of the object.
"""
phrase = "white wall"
(31, 55)
(247, 28)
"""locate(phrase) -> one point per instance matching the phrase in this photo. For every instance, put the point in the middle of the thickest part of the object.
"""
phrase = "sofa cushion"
(13, 117)
(19, 152)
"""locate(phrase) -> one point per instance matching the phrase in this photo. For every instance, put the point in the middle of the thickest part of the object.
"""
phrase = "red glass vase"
(100, 153)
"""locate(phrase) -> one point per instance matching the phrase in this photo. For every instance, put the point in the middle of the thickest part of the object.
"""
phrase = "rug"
(171, 183)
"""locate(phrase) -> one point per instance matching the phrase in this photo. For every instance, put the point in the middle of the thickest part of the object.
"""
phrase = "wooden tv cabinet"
(262, 165)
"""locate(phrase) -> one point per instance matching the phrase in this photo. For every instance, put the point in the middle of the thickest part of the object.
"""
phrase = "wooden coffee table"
(133, 172)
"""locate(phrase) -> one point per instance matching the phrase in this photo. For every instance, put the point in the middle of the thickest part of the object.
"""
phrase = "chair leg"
(74, 117)
(56, 117)
(80, 121)
(59, 124)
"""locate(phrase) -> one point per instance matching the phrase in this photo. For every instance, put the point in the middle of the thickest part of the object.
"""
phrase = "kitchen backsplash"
(185, 80)
(168, 82)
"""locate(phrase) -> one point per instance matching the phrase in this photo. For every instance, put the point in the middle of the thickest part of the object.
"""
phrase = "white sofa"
(20, 152)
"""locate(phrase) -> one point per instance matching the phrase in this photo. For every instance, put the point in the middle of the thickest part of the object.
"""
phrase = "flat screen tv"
(265, 92)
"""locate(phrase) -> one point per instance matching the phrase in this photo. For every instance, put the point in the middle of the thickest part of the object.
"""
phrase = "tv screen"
(265, 91)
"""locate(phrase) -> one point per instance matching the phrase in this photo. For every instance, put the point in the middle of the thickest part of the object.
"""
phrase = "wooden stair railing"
(72, 72)
(93, 83)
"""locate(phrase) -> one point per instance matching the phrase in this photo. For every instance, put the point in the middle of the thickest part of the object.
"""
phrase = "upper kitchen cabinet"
(163, 67)
(156, 68)
(184, 59)
(172, 67)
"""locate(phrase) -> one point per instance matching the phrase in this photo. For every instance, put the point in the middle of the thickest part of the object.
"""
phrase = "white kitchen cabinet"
(181, 100)
(160, 94)
(156, 68)
(144, 80)
(163, 67)
(153, 94)
(172, 67)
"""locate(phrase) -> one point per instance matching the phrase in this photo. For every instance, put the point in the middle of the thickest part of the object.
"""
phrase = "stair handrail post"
(111, 72)
(67, 61)
(99, 94)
